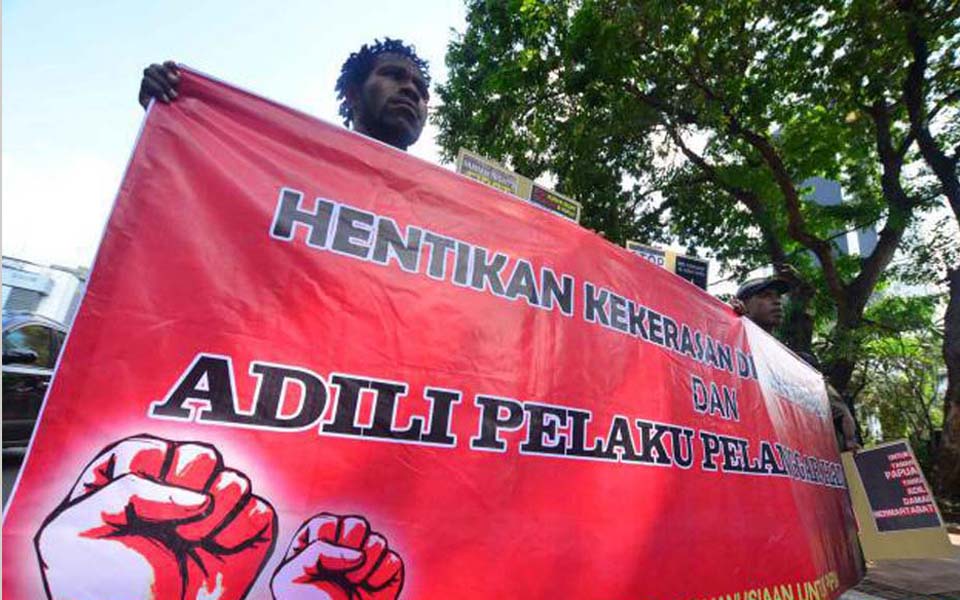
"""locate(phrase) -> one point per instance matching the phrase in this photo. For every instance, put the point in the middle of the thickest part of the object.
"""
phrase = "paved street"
(868, 590)
(928, 579)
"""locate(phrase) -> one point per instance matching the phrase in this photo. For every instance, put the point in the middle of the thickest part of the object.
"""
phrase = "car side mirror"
(20, 357)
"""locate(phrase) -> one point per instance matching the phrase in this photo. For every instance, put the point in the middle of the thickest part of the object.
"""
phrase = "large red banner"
(311, 366)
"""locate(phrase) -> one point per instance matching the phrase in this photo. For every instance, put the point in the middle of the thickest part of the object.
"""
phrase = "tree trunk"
(948, 462)
(845, 352)
(797, 329)
(839, 375)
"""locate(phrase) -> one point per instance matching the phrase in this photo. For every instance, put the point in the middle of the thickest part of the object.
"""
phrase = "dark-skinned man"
(383, 90)
(761, 301)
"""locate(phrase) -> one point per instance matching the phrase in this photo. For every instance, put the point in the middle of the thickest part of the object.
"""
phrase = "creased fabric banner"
(311, 366)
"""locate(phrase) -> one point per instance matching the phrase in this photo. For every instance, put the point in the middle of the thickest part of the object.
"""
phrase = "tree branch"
(684, 116)
(943, 166)
(946, 101)
(900, 207)
(747, 197)
(796, 224)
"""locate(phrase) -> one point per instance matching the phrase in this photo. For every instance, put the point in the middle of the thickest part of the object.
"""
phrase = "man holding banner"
(384, 88)
(760, 300)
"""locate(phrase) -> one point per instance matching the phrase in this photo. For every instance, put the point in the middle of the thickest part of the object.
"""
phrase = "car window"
(31, 337)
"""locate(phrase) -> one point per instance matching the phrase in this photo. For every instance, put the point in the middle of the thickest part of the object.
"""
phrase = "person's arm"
(842, 415)
(849, 429)
(160, 82)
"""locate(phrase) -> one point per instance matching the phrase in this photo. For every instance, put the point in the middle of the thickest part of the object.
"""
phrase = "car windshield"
(30, 338)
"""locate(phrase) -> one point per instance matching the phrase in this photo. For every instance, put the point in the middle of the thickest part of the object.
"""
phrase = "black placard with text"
(898, 494)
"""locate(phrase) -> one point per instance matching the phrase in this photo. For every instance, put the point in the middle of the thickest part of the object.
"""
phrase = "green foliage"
(928, 254)
(517, 95)
(702, 123)
(902, 373)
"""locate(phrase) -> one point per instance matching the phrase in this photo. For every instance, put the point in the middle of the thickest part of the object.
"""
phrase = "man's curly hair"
(357, 68)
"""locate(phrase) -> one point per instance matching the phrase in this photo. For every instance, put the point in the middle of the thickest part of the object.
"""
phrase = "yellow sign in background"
(925, 542)
(498, 176)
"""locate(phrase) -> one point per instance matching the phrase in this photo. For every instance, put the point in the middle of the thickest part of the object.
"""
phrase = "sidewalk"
(932, 579)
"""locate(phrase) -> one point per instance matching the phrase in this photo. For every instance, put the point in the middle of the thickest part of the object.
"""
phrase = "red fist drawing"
(338, 558)
(152, 518)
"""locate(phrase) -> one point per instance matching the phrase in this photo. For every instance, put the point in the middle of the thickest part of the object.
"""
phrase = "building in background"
(53, 292)
(828, 193)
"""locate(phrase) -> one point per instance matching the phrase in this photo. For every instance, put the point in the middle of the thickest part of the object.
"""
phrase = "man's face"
(765, 309)
(391, 105)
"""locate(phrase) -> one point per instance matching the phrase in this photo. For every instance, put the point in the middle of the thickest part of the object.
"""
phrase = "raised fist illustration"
(338, 558)
(153, 518)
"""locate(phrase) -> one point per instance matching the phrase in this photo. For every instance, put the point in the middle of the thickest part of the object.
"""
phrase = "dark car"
(31, 344)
